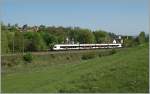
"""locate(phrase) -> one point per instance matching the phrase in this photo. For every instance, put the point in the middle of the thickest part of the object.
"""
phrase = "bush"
(28, 57)
(107, 53)
(88, 56)
(67, 58)
(9, 64)
(113, 51)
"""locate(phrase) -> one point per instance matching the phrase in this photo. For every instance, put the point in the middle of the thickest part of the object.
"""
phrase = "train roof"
(84, 44)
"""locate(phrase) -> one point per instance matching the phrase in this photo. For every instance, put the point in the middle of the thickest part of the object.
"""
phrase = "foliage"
(49, 39)
(88, 56)
(11, 41)
(19, 39)
(147, 38)
(85, 36)
(4, 42)
(73, 35)
(34, 41)
(24, 38)
(128, 42)
(107, 53)
(102, 37)
(38, 42)
(113, 51)
(18, 42)
(28, 57)
(142, 38)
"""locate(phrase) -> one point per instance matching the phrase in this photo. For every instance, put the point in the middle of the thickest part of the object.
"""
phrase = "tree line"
(42, 38)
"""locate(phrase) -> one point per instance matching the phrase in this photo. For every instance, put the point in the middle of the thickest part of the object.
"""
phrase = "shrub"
(52, 55)
(107, 53)
(113, 51)
(67, 58)
(9, 64)
(28, 57)
(88, 56)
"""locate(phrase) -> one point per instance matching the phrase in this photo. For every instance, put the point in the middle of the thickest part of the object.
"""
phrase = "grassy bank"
(124, 71)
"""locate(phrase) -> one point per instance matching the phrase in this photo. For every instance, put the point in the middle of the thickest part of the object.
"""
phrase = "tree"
(142, 38)
(49, 39)
(34, 41)
(147, 38)
(4, 27)
(61, 39)
(86, 36)
(28, 37)
(12, 28)
(128, 41)
(73, 35)
(4, 42)
(42, 28)
(102, 36)
(11, 41)
(136, 41)
(18, 39)
(108, 39)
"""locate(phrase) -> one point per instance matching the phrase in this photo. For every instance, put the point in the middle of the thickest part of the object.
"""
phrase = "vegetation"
(16, 39)
(85, 36)
(4, 42)
(111, 70)
(88, 56)
(103, 37)
(69, 73)
(23, 39)
(142, 38)
(28, 57)
(128, 42)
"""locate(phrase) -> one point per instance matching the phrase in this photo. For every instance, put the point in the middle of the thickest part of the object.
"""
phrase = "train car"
(85, 46)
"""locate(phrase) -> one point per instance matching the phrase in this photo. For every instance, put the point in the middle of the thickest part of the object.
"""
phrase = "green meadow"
(126, 70)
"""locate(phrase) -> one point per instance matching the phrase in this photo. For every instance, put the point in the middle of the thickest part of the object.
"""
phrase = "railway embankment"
(55, 57)
(123, 71)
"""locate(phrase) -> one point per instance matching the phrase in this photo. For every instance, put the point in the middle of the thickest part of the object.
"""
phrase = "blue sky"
(127, 17)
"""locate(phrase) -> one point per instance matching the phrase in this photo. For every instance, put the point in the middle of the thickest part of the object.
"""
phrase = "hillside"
(125, 71)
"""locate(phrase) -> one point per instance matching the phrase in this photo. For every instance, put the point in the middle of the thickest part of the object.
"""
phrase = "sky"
(125, 17)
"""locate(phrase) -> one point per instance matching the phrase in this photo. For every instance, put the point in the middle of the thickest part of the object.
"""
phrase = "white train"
(85, 46)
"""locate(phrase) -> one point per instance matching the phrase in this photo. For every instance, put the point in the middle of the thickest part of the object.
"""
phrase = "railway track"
(60, 52)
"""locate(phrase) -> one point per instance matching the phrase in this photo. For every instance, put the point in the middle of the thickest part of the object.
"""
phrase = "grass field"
(125, 71)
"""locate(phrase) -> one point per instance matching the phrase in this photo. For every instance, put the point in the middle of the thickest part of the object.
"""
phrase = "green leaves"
(142, 37)
(102, 37)
(28, 57)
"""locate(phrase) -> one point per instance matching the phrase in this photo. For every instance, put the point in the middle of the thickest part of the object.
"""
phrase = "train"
(85, 46)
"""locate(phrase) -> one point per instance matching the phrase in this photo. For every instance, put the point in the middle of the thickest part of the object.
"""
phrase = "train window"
(62, 46)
